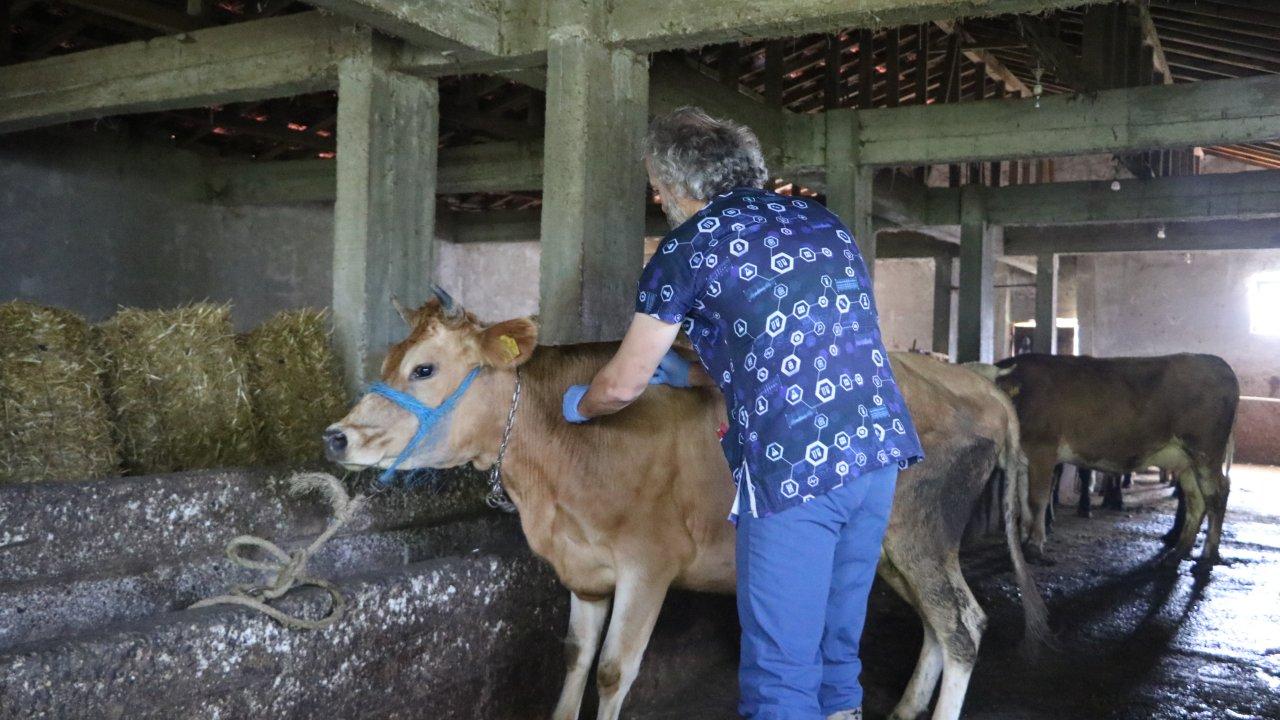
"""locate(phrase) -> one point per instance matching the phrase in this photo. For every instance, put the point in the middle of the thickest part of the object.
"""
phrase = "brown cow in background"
(1118, 415)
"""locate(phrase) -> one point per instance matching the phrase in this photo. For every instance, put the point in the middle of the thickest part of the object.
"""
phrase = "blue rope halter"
(427, 417)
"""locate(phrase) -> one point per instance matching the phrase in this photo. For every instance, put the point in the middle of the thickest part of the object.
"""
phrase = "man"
(773, 294)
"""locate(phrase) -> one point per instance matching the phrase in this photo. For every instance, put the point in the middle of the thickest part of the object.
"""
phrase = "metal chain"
(497, 497)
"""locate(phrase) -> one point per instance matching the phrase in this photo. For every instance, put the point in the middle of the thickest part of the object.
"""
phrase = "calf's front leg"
(636, 603)
(586, 624)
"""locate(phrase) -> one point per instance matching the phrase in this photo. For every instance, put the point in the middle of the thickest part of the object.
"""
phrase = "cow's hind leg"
(1189, 481)
(1084, 508)
(1113, 491)
(949, 607)
(924, 679)
(1179, 515)
(1039, 491)
(586, 623)
(1215, 487)
(1057, 487)
(636, 603)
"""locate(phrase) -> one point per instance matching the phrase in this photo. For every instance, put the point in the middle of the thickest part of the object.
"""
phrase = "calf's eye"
(422, 372)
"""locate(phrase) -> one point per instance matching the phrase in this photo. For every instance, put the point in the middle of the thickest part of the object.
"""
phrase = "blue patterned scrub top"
(775, 298)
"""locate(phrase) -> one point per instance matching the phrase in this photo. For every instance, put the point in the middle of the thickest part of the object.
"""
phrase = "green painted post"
(849, 183)
(979, 245)
(384, 211)
(593, 207)
(943, 267)
(1045, 337)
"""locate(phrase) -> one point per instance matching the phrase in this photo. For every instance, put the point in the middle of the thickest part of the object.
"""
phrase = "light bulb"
(1160, 232)
(1115, 186)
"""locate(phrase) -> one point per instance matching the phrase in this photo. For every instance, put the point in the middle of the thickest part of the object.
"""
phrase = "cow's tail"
(1035, 614)
(1230, 455)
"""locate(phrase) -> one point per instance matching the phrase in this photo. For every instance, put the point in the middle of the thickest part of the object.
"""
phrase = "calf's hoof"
(1172, 558)
(1208, 561)
(1035, 555)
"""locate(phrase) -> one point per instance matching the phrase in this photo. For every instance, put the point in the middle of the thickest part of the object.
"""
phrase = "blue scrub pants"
(803, 579)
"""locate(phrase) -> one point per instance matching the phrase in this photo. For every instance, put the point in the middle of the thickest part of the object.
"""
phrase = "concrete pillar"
(1045, 337)
(384, 212)
(980, 244)
(593, 200)
(849, 183)
(942, 274)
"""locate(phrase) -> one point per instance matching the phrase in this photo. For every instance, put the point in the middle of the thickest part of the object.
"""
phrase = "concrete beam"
(1143, 237)
(488, 167)
(1217, 112)
(517, 226)
(271, 183)
(649, 25)
(593, 218)
(1045, 337)
(465, 29)
(384, 213)
(1239, 196)
(254, 60)
(491, 167)
(894, 244)
(980, 244)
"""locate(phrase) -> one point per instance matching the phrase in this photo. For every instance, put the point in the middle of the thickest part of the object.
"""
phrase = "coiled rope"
(291, 568)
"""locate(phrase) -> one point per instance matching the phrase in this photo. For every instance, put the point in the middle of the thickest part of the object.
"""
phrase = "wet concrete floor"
(1136, 641)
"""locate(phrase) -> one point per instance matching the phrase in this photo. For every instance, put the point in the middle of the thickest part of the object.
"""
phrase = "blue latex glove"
(569, 407)
(673, 370)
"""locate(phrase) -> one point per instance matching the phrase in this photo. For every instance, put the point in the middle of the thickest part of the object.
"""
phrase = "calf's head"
(446, 345)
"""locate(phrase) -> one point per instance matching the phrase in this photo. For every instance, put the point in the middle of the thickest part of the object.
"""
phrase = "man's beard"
(675, 214)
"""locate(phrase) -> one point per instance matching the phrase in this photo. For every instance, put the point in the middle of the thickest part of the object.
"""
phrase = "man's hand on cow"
(673, 370)
(569, 407)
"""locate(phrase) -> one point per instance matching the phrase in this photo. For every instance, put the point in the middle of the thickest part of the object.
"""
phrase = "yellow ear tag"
(509, 347)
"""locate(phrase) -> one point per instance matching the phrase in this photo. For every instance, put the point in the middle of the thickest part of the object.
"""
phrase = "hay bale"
(54, 422)
(176, 383)
(295, 384)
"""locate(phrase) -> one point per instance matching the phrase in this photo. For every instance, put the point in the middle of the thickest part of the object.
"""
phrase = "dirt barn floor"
(1137, 642)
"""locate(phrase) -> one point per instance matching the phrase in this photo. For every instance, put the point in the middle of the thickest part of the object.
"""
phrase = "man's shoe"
(854, 714)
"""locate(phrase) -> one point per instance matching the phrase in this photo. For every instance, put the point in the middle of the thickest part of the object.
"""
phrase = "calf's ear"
(509, 343)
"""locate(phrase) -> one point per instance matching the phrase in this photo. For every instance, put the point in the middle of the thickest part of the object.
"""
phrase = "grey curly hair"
(700, 156)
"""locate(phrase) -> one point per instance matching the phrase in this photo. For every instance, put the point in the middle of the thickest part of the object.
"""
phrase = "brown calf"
(1118, 415)
(629, 505)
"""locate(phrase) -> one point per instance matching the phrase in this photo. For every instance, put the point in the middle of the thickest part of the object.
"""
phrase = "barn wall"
(904, 298)
(90, 224)
(495, 280)
(1158, 303)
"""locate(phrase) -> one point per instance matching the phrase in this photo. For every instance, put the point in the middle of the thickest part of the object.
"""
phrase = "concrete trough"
(449, 614)
(91, 528)
(37, 610)
(450, 637)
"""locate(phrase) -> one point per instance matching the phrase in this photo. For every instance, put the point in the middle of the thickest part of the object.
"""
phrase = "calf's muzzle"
(335, 443)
